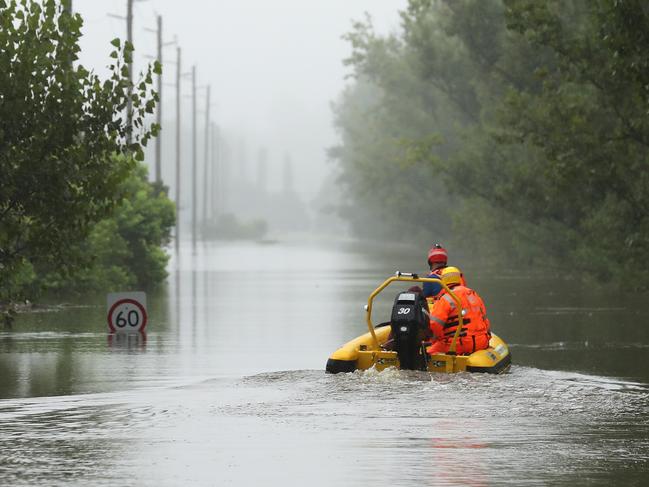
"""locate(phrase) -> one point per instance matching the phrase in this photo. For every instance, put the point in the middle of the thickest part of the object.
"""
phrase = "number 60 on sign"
(126, 312)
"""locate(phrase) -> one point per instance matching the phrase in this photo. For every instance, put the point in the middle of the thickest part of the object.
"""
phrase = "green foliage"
(124, 250)
(589, 122)
(533, 115)
(60, 125)
(377, 118)
(20, 276)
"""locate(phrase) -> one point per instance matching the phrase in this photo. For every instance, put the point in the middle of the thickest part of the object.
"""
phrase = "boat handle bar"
(412, 277)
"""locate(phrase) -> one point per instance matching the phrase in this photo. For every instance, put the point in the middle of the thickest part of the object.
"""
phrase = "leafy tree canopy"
(125, 249)
(529, 116)
(60, 126)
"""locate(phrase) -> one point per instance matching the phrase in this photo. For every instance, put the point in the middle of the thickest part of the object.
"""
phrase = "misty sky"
(274, 65)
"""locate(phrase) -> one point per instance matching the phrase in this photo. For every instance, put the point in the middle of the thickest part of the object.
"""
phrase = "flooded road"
(229, 386)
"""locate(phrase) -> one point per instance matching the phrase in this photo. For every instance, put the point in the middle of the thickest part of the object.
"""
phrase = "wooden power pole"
(178, 149)
(129, 102)
(194, 172)
(158, 141)
(207, 156)
(129, 65)
(215, 170)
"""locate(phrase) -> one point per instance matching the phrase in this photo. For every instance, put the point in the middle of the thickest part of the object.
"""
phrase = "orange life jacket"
(444, 318)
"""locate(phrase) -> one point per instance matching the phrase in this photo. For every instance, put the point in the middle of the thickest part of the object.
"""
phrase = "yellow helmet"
(451, 276)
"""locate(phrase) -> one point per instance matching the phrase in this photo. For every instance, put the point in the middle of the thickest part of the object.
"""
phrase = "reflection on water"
(127, 341)
(228, 386)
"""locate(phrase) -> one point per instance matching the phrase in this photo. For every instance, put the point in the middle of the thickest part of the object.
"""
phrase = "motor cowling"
(409, 322)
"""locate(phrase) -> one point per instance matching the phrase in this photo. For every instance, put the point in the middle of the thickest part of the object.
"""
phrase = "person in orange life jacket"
(475, 333)
(438, 260)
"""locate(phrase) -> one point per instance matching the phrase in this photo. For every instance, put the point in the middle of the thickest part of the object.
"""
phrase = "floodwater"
(228, 388)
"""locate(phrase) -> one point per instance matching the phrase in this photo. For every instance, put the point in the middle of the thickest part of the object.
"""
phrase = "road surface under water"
(229, 386)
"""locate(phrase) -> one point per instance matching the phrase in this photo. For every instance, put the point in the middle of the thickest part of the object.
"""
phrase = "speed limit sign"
(126, 312)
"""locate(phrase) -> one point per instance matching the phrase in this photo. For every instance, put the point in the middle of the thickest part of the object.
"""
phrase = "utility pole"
(207, 160)
(67, 8)
(129, 39)
(288, 175)
(215, 166)
(178, 104)
(262, 160)
(179, 76)
(129, 102)
(158, 146)
(158, 58)
(194, 182)
(225, 157)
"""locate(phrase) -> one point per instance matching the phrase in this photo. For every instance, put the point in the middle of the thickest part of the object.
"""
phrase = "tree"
(60, 128)
(589, 122)
(377, 117)
(123, 250)
(532, 112)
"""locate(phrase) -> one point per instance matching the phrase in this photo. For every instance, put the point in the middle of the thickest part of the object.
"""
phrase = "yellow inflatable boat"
(400, 342)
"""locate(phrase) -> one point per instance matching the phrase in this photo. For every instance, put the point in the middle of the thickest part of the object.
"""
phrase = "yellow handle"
(410, 278)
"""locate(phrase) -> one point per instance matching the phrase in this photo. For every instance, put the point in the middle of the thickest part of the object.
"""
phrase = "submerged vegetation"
(76, 211)
(517, 126)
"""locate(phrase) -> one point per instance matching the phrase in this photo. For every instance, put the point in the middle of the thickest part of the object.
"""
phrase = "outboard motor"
(409, 323)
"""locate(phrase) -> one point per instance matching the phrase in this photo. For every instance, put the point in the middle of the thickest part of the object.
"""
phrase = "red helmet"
(437, 253)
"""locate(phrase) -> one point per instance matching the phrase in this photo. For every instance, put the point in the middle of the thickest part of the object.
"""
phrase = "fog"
(273, 67)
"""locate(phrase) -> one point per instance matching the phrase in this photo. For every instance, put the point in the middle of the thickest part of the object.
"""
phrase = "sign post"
(126, 312)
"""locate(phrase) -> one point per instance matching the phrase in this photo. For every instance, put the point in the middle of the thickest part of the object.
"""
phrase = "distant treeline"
(520, 128)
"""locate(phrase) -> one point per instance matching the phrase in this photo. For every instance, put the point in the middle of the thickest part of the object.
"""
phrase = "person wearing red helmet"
(438, 260)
